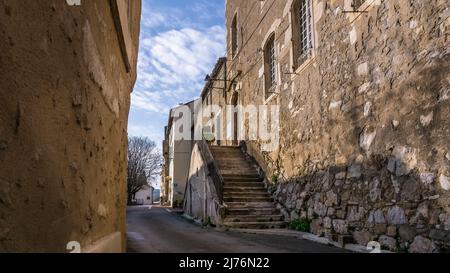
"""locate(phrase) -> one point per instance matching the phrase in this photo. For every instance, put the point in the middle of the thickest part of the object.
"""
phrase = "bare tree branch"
(144, 164)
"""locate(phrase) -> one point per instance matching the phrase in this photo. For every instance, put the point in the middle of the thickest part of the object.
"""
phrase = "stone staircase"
(248, 202)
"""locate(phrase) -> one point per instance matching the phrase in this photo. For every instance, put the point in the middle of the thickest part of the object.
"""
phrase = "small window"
(302, 31)
(356, 4)
(234, 36)
(270, 64)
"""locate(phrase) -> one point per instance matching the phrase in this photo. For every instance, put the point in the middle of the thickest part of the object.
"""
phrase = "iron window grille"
(356, 4)
(234, 36)
(271, 62)
(305, 28)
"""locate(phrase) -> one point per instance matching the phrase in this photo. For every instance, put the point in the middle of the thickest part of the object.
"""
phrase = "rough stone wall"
(364, 142)
(64, 102)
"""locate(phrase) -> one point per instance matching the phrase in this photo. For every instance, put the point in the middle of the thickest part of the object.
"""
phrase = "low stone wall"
(401, 210)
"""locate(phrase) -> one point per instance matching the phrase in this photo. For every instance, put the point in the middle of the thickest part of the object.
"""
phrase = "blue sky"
(181, 41)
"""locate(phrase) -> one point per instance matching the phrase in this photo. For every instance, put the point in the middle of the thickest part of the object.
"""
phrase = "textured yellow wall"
(64, 102)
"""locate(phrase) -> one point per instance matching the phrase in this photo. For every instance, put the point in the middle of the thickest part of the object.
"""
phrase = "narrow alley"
(160, 230)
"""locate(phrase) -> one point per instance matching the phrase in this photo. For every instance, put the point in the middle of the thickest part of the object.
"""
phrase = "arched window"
(270, 65)
(302, 31)
(234, 36)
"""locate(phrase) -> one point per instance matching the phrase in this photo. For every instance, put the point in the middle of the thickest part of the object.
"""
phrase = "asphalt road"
(161, 230)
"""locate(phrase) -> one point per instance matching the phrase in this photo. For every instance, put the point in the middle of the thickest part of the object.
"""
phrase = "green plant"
(302, 224)
(207, 222)
(275, 177)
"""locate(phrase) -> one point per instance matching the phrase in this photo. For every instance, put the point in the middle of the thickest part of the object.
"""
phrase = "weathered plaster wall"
(365, 123)
(201, 197)
(179, 150)
(64, 102)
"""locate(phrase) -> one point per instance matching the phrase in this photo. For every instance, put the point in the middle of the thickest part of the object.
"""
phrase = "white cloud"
(186, 54)
(153, 19)
(172, 66)
(180, 44)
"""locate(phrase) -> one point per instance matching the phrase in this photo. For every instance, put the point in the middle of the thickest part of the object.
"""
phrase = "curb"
(307, 236)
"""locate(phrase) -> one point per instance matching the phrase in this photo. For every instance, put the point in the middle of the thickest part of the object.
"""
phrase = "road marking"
(150, 207)
(168, 210)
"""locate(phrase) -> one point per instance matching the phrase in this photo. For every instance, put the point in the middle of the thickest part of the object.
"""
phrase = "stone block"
(362, 237)
(376, 217)
(427, 178)
(340, 175)
(379, 229)
(355, 213)
(406, 233)
(396, 216)
(391, 231)
(354, 171)
(440, 235)
(331, 199)
(316, 227)
(340, 226)
(444, 181)
(387, 242)
(422, 245)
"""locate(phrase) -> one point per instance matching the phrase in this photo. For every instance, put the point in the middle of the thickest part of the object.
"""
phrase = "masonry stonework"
(64, 101)
(365, 121)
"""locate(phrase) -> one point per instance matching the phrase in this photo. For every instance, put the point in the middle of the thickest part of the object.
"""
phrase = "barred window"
(270, 65)
(302, 26)
(356, 4)
(234, 36)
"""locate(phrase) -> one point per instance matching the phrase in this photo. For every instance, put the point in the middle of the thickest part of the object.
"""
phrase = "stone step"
(242, 177)
(217, 147)
(237, 172)
(230, 158)
(256, 188)
(250, 205)
(228, 155)
(247, 199)
(237, 166)
(254, 218)
(255, 225)
(224, 150)
(246, 194)
(245, 184)
(234, 162)
(252, 211)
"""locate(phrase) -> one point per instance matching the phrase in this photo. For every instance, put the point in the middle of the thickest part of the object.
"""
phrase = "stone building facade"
(177, 148)
(363, 88)
(67, 72)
